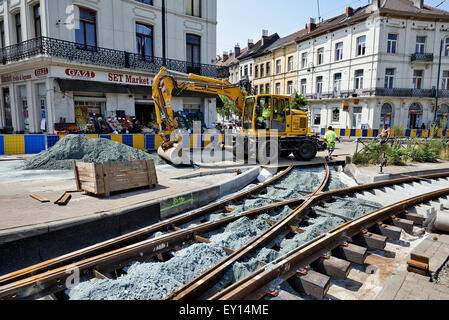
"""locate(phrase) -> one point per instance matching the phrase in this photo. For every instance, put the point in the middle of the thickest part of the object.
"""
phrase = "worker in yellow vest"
(266, 115)
(330, 137)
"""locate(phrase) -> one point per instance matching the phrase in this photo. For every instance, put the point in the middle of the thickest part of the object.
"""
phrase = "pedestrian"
(330, 137)
(385, 134)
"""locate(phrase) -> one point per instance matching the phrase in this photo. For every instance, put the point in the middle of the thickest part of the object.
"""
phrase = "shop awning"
(93, 86)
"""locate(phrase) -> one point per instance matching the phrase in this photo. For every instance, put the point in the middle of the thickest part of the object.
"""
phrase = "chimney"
(312, 25)
(250, 43)
(237, 50)
(264, 33)
(418, 3)
(225, 56)
(349, 12)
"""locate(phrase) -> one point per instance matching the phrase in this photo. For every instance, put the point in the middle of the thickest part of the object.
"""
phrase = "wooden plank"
(150, 178)
(313, 283)
(419, 258)
(417, 271)
(332, 267)
(64, 199)
(104, 170)
(351, 252)
(406, 225)
(75, 171)
(391, 232)
(39, 198)
(371, 240)
(416, 218)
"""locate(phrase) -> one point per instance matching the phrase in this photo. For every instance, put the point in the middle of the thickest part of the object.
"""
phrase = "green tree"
(300, 102)
(228, 109)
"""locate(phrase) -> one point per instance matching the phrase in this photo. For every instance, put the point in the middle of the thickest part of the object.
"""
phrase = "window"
(267, 88)
(420, 44)
(361, 46)
(2, 34)
(261, 89)
(245, 71)
(392, 43)
(337, 82)
(241, 72)
(445, 85)
(290, 87)
(144, 39)
(319, 85)
(251, 69)
(194, 8)
(290, 64)
(256, 75)
(18, 27)
(262, 70)
(268, 69)
(303, 86)
(304, 60)
(86, 35)
(389, 78)
(316, 117)
(278, 66)
(336, 115)
(37, 20)
(193, 44)
(339, 51)
(386, 115)
(150, 2)
(278, 88)
(418, 76)
(358, 81)
(256, 90)
(320, 57)
(24, 105)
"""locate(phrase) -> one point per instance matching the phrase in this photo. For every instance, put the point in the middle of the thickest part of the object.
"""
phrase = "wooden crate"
(104, 178)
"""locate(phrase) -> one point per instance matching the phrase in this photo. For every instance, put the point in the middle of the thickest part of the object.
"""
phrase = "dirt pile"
(78, 147)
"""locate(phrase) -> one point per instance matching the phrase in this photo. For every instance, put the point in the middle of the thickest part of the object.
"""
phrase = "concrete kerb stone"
(240, 181)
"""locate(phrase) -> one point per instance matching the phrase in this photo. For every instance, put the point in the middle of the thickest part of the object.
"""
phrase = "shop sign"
(129, 79)
(17, 77)
(41, 72)
(77, 73)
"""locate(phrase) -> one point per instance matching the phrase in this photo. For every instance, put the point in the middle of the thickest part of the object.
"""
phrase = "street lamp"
(438, 80)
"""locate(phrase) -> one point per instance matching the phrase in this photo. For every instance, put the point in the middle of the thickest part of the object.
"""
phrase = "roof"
(260, 46)
(231, 60)
(407, 6)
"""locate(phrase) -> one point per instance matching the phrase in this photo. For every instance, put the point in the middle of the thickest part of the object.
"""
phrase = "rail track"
(346, 241)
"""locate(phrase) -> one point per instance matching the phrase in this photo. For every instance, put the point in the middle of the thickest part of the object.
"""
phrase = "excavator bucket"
(174, 155)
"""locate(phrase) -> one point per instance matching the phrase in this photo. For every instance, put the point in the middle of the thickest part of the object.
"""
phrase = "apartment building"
(276, 67)
(60, 56)
(376, 65)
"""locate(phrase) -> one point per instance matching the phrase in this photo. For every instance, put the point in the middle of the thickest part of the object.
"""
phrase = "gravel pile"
(78, 147)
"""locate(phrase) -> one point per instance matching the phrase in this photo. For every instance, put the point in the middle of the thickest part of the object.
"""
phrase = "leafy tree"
(300, 102)
(228, 109)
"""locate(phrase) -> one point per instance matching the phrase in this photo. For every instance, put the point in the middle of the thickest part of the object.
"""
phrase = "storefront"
(81, 100)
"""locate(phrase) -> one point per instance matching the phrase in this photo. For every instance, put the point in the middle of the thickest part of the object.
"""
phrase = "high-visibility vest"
(266, 113)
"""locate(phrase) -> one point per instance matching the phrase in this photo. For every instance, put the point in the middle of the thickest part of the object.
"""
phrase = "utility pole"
(164, 54)
(438, 84)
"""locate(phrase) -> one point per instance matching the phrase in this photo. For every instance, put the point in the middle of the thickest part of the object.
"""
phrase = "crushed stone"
(79, 148)
(152, 281)
(352, 208)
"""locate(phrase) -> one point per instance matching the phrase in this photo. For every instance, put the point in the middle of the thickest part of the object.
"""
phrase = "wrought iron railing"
(98, 56)
(423, 57)
(405, 92)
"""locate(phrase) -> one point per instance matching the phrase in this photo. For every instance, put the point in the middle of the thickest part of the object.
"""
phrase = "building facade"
(65, 62)
(376, 65)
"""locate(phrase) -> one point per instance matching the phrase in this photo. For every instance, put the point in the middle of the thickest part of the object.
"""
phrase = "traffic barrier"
(373, 133)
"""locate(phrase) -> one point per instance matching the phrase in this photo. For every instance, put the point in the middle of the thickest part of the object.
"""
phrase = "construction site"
(286, 202)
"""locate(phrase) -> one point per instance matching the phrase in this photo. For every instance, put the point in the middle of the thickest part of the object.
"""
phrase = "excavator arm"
(166, 82)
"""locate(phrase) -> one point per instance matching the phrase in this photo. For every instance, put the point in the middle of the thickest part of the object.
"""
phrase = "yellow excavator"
(289, 127)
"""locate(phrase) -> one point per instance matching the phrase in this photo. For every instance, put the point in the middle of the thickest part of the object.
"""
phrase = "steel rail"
(50, 281)
(135, 236)
(208, 279)
(255, 286)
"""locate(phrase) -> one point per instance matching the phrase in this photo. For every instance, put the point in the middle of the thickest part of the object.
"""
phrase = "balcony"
(72, 51)
(405, 92)
(422, 57)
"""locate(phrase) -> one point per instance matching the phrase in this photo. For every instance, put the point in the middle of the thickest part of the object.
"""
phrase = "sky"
(240, 20)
